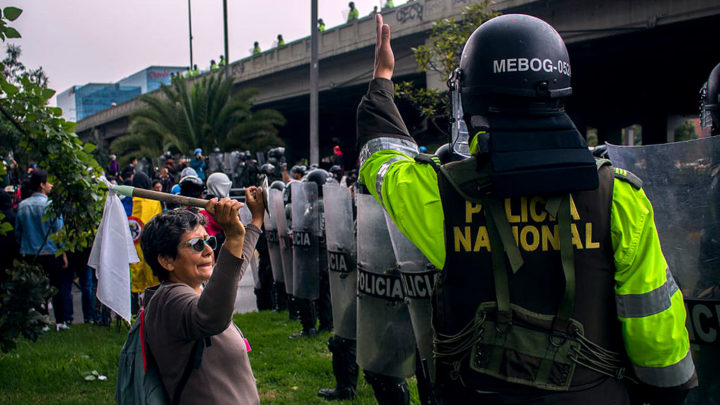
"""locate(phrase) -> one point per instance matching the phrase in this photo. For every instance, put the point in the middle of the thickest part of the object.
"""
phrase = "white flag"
(111, 255)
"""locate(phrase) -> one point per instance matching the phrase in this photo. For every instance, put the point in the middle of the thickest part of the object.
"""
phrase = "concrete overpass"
(634, 62)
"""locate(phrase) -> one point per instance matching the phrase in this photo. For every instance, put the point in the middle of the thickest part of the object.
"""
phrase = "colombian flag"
(143, 210)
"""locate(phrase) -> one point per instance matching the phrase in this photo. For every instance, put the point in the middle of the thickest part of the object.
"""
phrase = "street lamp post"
(227, 52)
(190, 31)
(314, 142)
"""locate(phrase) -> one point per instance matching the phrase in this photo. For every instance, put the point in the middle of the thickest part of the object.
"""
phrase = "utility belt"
(513, 344)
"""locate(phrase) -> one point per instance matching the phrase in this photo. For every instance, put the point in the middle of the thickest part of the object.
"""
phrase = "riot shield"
(273, 241)
(283, 229)
(681, 181)
(246, 218)
(306, 245)
(385, 341)
(342, 258)
(418, 278)
(215, 162)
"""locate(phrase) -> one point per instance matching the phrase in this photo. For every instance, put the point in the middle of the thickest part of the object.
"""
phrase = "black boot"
(280, 298)
(292, 309)
(345, 370)
(388, 390)
(324, 306)
(308, 319)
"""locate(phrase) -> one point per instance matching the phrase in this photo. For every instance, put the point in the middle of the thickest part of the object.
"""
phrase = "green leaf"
(55, 111)
(47, 93)
(8, 88)
(11, 32)
(89, 147)
(12, 13)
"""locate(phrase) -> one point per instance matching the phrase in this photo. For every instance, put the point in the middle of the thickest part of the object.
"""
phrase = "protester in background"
(213, 65)
(281, 41)
(112, 168)
(86, 282)
(218, 186)
(256, 48)
(128, 172)
(165, 180)
(222, 61)
(198, 164)
(8, 245)
(183, 314)
(37, 246)
(321, 25)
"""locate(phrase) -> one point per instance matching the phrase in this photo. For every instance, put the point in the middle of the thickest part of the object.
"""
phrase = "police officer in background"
(585, 294)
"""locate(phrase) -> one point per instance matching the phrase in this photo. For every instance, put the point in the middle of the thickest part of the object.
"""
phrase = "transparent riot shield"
(342, 258)
(681, 180)
(385, 341)
(215, 162)
(283, 229)
(418, 277)
(306, 244)
(273, 242)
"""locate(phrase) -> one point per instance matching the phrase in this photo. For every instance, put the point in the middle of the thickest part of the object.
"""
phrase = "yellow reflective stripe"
(649, 303)
(657, 340)
(410, 195)
(406, 147)
(667, 376)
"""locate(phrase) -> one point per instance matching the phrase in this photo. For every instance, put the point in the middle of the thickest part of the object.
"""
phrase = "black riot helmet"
(267, 169)
(320, 177)
(298, 169)
(336, 171)
(191, 186)
(710, 102)
(513, 56)
(277, 185)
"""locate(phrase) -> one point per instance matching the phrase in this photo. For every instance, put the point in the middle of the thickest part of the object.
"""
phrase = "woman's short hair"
(161, 237)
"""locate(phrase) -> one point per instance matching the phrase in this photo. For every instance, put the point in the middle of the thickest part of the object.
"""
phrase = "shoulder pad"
(600, 162)
(628, 177)
(428, 159)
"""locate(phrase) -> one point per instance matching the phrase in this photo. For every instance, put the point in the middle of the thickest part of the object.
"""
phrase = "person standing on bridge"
(256, 48)
(354, 14)
(280, 40)
(321, 25)
(608, 306)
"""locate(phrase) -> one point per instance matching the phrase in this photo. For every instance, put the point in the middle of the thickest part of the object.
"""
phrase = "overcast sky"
(83, 41)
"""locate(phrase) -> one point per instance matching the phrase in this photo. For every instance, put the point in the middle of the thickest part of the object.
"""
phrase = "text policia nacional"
(532, 227)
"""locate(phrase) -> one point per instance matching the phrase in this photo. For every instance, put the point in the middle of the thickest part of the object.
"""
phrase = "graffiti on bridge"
(410, 12)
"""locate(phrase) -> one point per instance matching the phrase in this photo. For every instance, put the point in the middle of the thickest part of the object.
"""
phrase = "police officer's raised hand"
(384, 58)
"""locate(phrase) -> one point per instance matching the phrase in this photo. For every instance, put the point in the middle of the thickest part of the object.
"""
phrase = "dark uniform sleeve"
(378, 116)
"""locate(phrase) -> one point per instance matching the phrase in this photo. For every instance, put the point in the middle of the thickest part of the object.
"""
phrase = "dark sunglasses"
(198, 244)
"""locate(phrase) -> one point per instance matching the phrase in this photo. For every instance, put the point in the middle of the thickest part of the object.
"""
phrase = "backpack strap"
(193, 363)
(470, 180)
(432, 160)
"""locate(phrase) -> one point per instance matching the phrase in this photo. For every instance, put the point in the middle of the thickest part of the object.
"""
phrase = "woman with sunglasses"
(193, 306)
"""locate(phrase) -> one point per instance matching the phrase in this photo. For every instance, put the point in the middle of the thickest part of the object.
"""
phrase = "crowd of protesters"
(25, 194)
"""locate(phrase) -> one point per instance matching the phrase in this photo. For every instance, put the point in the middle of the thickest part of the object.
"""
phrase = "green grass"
(51, 370)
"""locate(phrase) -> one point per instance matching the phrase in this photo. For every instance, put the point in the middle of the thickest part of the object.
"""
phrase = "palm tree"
(203, 114)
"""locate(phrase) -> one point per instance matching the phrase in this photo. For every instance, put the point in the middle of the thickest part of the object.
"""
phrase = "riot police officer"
(584, 230)
(324, 308)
